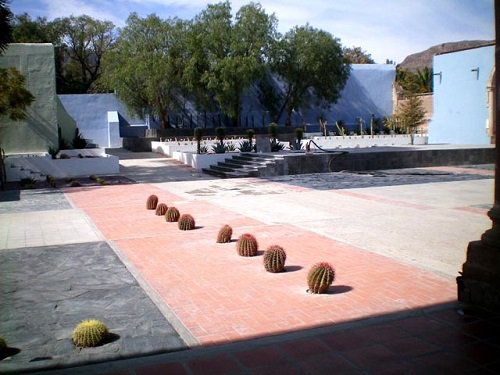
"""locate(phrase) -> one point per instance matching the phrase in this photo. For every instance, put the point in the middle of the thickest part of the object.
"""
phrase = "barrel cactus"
(152, 202)
(274, 259)
(247, 245)
(161, 209)
(224, 234)
(186, 222)
(90, 333)
(172, 215)
(320, 277)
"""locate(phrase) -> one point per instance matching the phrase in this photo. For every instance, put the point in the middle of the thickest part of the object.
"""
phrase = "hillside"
(424, 59)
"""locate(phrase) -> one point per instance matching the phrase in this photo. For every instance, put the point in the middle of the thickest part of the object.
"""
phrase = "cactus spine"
(161, 209)
(320, 277)
(247, 245)
(90, 333)
(152, 202)
(224, 234)
(186, 222)
(172, 215)
(274, 259)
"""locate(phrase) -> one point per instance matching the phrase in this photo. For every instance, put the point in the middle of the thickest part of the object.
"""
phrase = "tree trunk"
(165, 124)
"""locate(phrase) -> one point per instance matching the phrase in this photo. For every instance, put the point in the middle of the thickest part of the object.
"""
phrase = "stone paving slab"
(42, 228)
(15, 201)
(47, 291)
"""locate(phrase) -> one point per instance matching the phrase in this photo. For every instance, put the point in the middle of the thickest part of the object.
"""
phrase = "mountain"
(423, 59)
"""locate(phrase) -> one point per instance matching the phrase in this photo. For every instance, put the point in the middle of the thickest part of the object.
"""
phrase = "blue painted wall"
(460, 97)
(90, 111)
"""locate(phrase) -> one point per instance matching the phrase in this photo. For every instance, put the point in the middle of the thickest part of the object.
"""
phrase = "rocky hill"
(424, 59)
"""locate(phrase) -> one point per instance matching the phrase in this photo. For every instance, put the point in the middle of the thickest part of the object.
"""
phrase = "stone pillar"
(262, 143)
(479, 283)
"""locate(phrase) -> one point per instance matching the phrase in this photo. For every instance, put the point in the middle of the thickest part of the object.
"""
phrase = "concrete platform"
(395, 240)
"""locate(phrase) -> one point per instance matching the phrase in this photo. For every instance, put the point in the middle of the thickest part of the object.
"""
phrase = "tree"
(146, 66)
(5, 25)
(411, 113)
(79, 43)
(308, 61)
(14, 97)
(355, 55)
(419, 82)
(226, 57)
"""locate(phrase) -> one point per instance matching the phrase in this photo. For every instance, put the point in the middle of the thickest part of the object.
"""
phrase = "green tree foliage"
(146, 66)
(411, 113)
(309, 60)
(5, 25)
(419, 82)
(227, 56)
(355, 55)
(14, 97)
(80, 44)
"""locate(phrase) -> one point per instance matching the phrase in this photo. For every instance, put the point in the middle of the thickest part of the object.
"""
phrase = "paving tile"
(174, 368)
(217, 364)
(372, 357)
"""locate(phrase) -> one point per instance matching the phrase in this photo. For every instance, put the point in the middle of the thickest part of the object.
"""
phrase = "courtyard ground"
(397, 240)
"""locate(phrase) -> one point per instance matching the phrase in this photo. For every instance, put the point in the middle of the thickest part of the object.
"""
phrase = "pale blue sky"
(389, 29)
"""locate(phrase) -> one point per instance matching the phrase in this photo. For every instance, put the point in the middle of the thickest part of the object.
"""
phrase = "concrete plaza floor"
(396, 238)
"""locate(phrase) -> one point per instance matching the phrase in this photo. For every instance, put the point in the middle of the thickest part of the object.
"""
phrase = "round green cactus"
(186, 222)
(90, 333)
(274, 259)
(320, 277)
(172, 215)
(247, 245)
(152, 202)
(224, 235)
(161, 209)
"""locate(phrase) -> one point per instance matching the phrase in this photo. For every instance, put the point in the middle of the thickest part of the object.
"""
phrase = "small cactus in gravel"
(224, 234)
(152, 202)
(186, 222)
(90, 333)
(320, 277)
(247, 245)
(161, 209)
(172, 215)
(274, 259)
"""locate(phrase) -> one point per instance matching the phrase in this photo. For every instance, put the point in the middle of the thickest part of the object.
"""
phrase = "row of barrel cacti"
(320, 276)
(171, 214)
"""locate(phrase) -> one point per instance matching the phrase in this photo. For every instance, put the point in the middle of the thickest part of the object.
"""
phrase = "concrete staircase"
(244, 165)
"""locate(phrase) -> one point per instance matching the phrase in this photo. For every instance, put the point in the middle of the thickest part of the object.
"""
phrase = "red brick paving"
(222, 297)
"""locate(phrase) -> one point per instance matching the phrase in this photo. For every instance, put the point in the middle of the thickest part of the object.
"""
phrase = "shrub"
(277, 146)
(219, 148)
(247, 245)
(161, 209)
(229, 147)
(3, 344)
(90, 333)
(172, 215)
(320, 277)
(75, 183)
(186, 222)
(152, 202)
(246, 146)
(224, 235)
(274, 259)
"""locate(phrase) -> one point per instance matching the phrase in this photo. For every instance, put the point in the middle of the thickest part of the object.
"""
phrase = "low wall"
(354, 141)
(35, 167)
(360, 160)
(199, 161)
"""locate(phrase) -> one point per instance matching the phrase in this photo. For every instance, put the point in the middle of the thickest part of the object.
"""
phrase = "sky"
(386, 29)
